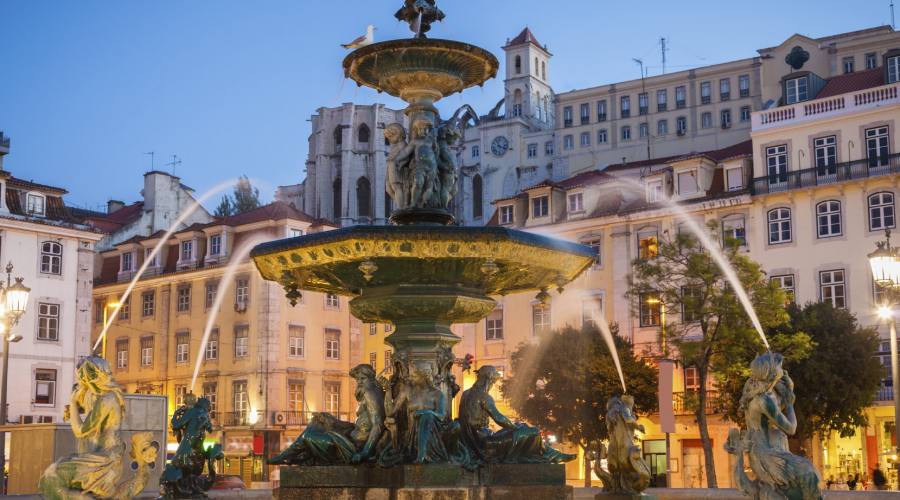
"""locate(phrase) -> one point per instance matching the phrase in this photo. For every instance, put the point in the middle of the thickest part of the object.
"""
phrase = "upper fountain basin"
(410, 68)
(490, 260)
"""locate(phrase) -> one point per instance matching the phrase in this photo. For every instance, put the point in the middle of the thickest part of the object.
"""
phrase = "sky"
(88, 87)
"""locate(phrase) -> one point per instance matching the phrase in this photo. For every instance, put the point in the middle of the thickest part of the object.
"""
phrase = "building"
(267, 365)
(54, 254)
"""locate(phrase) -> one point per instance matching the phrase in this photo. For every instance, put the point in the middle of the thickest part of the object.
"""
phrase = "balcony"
(806, 111)
(884, 394)
(684, 403)
(831, 174)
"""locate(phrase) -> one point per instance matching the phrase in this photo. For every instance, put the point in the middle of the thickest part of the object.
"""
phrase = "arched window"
(779, 225)
(881, 211)
(543, 70)
(51, 257)
(363, 133)
(477, 197)
(828, 219)
(517, 102)
(336, 194)
(338, 138)
(537, 101)
(363, 197)
(536, 67)
(518, 64)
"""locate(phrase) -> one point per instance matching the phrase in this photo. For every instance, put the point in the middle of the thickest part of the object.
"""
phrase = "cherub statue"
(447, 136)
(423, 167)
(397, 164)
(419, 14)
(628, 472)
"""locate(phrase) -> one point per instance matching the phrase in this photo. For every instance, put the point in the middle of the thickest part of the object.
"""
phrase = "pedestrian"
(878, 478)
(852, 482)
(829, 482)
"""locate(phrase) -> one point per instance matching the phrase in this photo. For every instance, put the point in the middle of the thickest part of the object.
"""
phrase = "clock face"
(500, 146)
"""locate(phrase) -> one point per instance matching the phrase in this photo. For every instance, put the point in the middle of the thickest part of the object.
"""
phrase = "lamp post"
(885, 264)
(13, 302)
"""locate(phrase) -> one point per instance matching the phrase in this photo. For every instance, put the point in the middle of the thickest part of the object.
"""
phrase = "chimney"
(113, 206)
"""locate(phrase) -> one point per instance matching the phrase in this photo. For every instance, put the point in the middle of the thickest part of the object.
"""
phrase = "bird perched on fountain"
(367, 39)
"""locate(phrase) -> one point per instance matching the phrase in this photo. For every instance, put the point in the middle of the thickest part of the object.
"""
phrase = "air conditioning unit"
(279, 418)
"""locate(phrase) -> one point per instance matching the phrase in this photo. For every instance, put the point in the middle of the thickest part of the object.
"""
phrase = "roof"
(22, 184)
(588, 178)
(526, 36)
(110, 222)
(828, 38)
(276, 210)
(738, 150)
(852, 82)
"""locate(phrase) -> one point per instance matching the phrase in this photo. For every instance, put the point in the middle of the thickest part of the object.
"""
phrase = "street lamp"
(13, 303)
(885, 264)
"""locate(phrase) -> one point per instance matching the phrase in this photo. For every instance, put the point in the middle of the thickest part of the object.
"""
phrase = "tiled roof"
(276, 210)
(588, 178)
(526, 36)
(16, 183)
(852, 82)
(736, 151)
(112, 221)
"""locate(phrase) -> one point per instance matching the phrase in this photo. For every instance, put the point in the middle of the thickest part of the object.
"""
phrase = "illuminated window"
(296, 341)
(493, 325)
(540, 319)
(650, 308)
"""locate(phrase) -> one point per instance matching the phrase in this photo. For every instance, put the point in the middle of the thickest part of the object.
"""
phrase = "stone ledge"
(546, 492)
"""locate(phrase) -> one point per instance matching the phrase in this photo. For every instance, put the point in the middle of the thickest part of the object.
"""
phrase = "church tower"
(527, 84)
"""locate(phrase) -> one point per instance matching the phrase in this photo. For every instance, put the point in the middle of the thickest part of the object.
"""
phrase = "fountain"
(421, 275)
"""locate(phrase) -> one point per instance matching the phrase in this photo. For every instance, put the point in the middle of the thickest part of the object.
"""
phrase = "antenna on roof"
(174, 163)
(152, 166)
(892, 15)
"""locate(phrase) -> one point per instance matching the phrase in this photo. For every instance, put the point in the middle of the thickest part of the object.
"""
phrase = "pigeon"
(362, 41)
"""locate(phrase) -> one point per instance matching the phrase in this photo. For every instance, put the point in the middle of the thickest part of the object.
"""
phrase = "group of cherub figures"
(421, 171)
(406, 420)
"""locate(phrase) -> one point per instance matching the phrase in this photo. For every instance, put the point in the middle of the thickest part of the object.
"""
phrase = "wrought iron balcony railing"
(831, 174)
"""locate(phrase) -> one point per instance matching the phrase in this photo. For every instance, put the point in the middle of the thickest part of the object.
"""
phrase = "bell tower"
(527, 84)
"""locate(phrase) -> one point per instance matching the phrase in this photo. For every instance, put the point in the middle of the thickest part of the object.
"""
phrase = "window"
(680, 97)
(493, 325)
(363, 133)
(388, 361)
(745, 113)
(332, 301)
(121, 354)
(146, 351)
(585, 139)
(705, 92)
(548, 148)
(148, 304)
(602, 136)
(332, 344)
(212, 345)
(294, 232)
(540, 319)
(127, 262)
(691, 304)
(154, 261)
(776, 164)
(241, 341)
(825, 151)
(506, 214)
(182, 347)
(662, 99)
(333, 397)
(893, 69)
(831, 288)
(518, 65)
(744, 85)
(687, 182)
(592, 311)
(643, 103)
(648, 243)
(796, 90)
(881, 211)
(734, 230)
(681, 125)
(601, 110)
(210, 391)
(296, 341)
(650, 308)
(51, 257)
(706, 120)
(848, 63)
(241, 293)
(44, 387)
(295, 396)
(779, 225)
(338, 138)
(568, 142)
(576, 202)
(643, 130)
(540, 206)
(240, 401)
(597, 245)
(626, 133)
(363, 197)
(786, 283)
(35, 204)
(691, 378)
(532, 151)
(655, 190)
(724, 89)
(184, 299)
(125, 309)
(99, 310)
(871, 60)
(211, 290)
(567, 116)
(477, 197)
(725, 118)
(585, 113)
(625, 103)
(476, 151)
(48, 321)
(877, 146)
(215, 244)
(828, 218)
(662, 127)
(373, 329)
(734, 178)
(187, 250)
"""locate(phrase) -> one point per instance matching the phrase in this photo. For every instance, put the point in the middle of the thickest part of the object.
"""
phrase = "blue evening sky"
(88, 86)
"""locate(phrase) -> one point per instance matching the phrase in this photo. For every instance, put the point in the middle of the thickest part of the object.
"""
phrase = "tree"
(561, 384)
(680, 280)
(244, 198)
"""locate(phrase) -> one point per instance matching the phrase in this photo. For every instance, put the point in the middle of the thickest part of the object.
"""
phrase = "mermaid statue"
(768, 407)
(96, 470)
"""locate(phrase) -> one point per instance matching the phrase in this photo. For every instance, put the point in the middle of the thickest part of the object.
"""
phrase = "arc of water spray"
(162, 241)
(237, 259)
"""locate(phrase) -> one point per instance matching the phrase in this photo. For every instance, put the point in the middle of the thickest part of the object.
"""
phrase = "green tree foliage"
(244, 198)
(562, 382)
(225, 208)
(705, 325)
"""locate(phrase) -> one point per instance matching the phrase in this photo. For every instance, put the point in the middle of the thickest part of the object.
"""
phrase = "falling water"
(611, 345)
(162, 241)
(237, 259)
